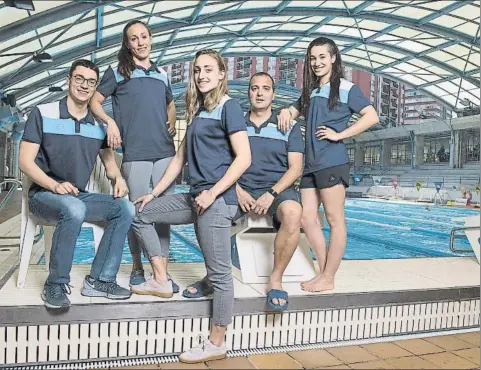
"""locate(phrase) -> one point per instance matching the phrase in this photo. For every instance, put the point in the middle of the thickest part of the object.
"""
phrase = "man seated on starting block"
(267, 186)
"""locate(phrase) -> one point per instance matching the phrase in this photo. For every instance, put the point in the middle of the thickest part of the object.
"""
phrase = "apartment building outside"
(395, 104)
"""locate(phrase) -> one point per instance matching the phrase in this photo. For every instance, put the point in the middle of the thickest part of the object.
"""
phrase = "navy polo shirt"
(209, 152)
(269, 148)
(140, 111)
(321, 154)
(68, 147)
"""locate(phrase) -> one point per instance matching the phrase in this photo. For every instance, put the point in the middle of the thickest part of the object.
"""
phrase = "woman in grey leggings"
(145, 114)
(216, 148)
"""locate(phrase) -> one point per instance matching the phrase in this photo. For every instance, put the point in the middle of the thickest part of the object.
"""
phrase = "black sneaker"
(55, 295)
(137, 277)
(97, 288)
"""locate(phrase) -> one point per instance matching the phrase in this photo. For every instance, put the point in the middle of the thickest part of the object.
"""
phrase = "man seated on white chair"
(58, 151)
(267, 186)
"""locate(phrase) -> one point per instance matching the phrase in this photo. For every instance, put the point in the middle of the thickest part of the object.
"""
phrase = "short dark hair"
(85, 63)
(263, 74)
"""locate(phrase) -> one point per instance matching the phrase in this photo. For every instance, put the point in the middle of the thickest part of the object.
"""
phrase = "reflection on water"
(376, 230)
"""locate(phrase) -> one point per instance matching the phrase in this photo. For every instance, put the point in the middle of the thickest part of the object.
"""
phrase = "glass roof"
(429, 45)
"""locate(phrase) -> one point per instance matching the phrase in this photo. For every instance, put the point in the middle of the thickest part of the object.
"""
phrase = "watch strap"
(273, 192)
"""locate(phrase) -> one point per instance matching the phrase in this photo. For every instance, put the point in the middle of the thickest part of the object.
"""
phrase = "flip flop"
(279, 294)
(203, 290)
(175, 287)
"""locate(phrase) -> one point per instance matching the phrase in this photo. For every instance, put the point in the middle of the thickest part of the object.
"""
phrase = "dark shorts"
(288, 194)
(326, 178)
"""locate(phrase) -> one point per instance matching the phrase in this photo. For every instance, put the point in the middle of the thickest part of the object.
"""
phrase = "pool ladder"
(453, 236)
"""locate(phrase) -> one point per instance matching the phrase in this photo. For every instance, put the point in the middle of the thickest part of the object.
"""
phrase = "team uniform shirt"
(209, 152)
(321, 154)
(270, 148)
(68, 147)
(140, 111)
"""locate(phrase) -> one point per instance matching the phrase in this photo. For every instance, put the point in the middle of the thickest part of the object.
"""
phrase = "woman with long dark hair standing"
(327, 103)
(144, 111)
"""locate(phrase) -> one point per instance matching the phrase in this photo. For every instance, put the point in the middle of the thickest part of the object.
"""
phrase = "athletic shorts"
(327, 178)
(288, 194)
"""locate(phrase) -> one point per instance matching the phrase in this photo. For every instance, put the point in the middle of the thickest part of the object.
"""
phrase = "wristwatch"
(273, 192)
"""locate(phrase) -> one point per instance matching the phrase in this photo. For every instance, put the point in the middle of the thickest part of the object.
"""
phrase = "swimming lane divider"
(407, 228)
(187, 242)
(410, 219)
(401, 246)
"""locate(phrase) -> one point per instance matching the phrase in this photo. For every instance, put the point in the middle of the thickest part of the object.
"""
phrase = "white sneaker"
(204, 351)
(153, 287)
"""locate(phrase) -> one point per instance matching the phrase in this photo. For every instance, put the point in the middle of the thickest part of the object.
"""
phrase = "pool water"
(376, 230)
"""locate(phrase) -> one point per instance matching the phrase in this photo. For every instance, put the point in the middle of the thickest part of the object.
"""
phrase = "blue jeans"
(68, 212)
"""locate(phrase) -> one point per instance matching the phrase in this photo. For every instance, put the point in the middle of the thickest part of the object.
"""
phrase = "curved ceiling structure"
(432, 46)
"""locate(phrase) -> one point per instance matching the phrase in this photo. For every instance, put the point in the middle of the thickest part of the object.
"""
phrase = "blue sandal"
(279, 294)
(175, 287)
(202, 287)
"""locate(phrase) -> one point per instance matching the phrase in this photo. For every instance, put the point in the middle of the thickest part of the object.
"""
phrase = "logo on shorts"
(332, 178)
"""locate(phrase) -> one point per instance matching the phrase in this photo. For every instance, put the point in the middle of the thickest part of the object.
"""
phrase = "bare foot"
(320, 284)
(276, 285)
(307, 282)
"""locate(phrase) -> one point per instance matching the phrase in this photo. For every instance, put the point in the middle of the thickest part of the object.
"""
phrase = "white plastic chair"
(98, 183)
(255, 250)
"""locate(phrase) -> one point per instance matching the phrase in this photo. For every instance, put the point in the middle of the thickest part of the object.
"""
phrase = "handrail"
(452, 236)
(16, 183)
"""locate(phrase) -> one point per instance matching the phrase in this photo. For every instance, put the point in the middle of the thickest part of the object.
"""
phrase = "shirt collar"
(271, 119)
(65, 114)
(153, 67)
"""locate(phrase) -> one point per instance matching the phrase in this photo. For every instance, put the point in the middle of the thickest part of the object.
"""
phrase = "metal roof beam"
(420, 55)
(197, 11)
(362, 6)
(319, 25)
(371, 38)
(46, 17)
(250, 25)
(227, 46)
(282, 6)
(61, 75)
(65, 30)
(444, 103)
(69, 55)
(288, 45)
(169, 43)
(443, 11)
(51, 16)
(99, 24)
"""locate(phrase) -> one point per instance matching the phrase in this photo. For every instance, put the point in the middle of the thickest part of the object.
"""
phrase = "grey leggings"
(212, 229)
(141, 177)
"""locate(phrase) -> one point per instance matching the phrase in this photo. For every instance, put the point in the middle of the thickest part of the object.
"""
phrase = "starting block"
(252, 239)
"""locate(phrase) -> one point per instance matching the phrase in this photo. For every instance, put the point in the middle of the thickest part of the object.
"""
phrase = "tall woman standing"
(144, 126)
(327, 103)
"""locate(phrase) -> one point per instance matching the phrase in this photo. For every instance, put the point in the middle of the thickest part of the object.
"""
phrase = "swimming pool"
(376, 230)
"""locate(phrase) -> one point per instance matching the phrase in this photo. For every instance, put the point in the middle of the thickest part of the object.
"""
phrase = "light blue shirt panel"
(268, 132)
(67, 127)
(216, 112)
(138, 73)
(325, 91)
